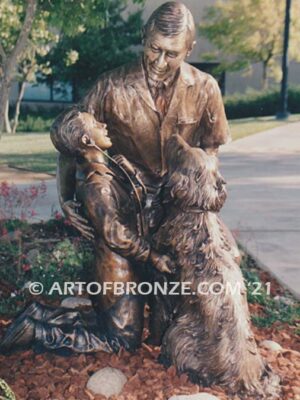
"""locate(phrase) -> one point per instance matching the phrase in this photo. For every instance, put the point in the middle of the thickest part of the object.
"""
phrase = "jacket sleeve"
(105, 217)
(214, 126)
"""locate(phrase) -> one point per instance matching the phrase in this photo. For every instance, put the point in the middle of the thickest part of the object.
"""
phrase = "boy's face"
(97, 131)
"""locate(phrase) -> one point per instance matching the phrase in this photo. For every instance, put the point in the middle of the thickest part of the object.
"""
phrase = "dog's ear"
(178, 186)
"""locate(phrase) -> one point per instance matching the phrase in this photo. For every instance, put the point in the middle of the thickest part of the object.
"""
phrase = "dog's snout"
(220, 182)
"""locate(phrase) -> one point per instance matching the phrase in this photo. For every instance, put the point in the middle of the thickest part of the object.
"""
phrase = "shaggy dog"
(210, 337)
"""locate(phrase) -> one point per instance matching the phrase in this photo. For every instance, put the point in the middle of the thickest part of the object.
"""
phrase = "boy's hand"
(162, 263)
(123, 162)
(70, 208)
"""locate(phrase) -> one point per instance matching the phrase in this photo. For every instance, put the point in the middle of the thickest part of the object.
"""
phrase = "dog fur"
(210, 337)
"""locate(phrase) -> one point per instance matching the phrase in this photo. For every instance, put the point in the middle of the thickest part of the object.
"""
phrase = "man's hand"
(132, 172)
(70, 208)
(162, 263)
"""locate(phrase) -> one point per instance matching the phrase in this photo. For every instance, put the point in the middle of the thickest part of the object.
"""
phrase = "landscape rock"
(284, 300)
(76, 302)
(32, 256)
(107, 382)
(271, 345)
(197, 396)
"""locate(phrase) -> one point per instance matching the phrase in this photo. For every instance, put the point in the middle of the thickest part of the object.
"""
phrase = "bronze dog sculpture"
(210, 337)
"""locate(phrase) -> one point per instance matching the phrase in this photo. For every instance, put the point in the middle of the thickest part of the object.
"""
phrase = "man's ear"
(191, 49)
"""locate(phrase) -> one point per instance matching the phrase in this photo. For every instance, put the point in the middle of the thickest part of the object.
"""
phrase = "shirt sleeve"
(214, 128)
(118, 236)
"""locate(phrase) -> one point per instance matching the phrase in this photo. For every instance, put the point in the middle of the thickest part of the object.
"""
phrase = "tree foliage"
(245, 32)
(30, 60)
(28, 24)
(81, 58)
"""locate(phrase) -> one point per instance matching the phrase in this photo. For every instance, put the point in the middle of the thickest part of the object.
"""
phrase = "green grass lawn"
(241, 128)
(35, 152)
(31, 151)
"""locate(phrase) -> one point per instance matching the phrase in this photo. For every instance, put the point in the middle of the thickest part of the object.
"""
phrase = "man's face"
(163, 55)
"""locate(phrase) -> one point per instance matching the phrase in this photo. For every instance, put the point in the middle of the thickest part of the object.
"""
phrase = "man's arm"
(214, 130)
(65, 139)
(65, 173)
(66, 192)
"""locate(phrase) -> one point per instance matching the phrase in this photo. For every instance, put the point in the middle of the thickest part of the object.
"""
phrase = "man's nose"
(161, 61)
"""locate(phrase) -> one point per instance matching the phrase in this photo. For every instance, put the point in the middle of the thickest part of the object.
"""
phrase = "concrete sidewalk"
(263, 205)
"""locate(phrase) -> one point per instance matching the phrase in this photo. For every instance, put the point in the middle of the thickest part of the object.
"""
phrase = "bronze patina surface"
(152, 208)
(210, 336)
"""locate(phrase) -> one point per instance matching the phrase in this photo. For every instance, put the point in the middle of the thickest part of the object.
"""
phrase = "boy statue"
(121, 255)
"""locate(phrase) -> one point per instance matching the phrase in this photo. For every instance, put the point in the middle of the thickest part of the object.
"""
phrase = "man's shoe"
(18, 336)
(36, 311)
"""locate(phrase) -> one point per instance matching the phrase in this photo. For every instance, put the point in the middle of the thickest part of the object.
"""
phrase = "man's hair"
(171, 19)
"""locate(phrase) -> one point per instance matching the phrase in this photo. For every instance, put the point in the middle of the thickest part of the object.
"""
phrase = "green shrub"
(259, 104)
(39, 119)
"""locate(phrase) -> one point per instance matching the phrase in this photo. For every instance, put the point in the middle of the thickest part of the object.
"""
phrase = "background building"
(230, 82)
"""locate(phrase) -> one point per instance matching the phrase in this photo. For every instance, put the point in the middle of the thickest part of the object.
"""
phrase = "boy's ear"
(85, 139)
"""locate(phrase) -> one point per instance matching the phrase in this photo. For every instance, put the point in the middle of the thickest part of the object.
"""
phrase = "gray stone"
(197, 396)
(76, 302)
(107, 382)
(271, 345)
(284, 300)
(33, 255)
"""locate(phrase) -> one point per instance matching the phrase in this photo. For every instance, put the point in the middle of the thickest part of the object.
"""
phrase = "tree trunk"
(4, 98)
(264, 83)
(10, 62)
(18, 106)
(7, 126)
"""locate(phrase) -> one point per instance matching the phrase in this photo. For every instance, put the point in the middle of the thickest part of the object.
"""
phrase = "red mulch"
(51, 377)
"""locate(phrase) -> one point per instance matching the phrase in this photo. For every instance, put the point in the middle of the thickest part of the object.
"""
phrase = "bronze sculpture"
(143, 104)
(119, 252)
(210, 337)
(163, 117)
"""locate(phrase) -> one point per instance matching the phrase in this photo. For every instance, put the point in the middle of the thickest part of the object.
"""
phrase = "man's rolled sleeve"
(214, 126)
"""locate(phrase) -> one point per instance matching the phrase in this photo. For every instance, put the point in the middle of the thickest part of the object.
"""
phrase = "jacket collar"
(138, 80)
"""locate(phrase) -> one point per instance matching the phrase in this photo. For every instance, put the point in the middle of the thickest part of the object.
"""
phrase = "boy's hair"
(67, 139)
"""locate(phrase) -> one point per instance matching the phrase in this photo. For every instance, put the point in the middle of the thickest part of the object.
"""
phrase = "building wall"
(236, 82)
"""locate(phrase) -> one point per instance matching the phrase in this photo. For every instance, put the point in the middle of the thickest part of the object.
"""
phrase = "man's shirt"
(122, 99)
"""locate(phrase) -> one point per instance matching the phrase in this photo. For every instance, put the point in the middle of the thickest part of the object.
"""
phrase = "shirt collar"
(139, 72)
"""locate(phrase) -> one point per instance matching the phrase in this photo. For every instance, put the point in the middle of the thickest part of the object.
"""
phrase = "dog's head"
(193, 179)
